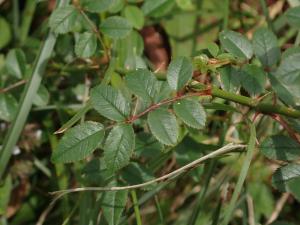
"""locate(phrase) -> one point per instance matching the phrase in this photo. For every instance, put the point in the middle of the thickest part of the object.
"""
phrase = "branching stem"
(168, 101)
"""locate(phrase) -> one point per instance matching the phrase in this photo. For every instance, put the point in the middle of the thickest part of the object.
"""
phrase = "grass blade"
(27, 19)
(136, 207)
(27, 98)
(159, 210)
(242, 176)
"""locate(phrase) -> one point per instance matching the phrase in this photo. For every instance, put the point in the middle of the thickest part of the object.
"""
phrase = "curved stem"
(224, 150)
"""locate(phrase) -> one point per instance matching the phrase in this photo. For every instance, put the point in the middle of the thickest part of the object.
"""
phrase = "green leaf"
(293, 187)
(185, 4)
(265, 46)
(116, 27)
(119, 147)
(293, 16)
(128, 50)
(8, 107)
(163, 126)
(285, 174)
(280, 147)
(86, 45)
(163, 91)
(63, 19)
(253, 79)
(78, 142)
(213, 49)
(156, 7)
(117, 6)
(230, 78)
(97, 6)
(5, 36)
(142, 83)
(113, 204)
(135, 16)
(190, 112)
(236, 44)
(16, 63)
(283, 91)
(118, 83)
(110, 103)
(288, 75)
(42, 96)
(147, 146)
(5, 190)
(180, 72)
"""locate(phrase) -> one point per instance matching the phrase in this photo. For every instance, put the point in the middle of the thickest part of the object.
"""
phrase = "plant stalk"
(265, 108)
(136, 207)
(27, 19)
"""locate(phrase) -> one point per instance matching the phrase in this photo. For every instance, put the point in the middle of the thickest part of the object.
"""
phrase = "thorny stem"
(283, 123)
(262, 107)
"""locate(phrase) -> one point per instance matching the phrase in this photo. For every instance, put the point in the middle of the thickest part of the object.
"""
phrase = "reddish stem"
(168, 101)
(280, 120)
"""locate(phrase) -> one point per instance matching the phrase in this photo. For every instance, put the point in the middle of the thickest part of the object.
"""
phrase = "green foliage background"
(83, 105)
